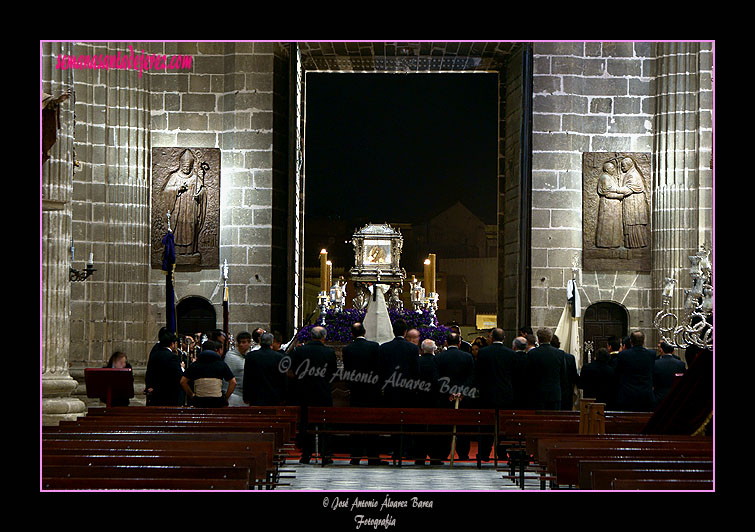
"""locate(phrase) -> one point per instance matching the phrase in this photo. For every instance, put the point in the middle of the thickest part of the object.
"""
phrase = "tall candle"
(431, 284)
(427, 275)
(330, 275)
(324, 271)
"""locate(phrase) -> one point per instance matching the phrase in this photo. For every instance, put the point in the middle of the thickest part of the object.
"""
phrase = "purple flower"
(338, 324)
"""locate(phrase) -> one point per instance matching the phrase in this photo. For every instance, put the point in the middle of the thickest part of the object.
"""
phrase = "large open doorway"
(418, 152)
(510, 63)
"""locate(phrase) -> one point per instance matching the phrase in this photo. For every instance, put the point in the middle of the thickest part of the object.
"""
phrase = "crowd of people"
(533, 373)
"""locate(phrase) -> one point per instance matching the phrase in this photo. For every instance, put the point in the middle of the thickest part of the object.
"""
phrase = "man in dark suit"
(266, 381)
(634, 371)
(664, 371)
(518, 381)
(456, 376)
(544, 371)
(598, 379)
(398, 364)
(163, 376)
(569, 382)
(463, 344)
(360, 367)
(613, 345)
(314, 366)
(427, 397)
(494, 375)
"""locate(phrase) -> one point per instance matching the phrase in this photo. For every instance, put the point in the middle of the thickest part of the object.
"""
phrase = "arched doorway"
(605, 319)
(195, 314)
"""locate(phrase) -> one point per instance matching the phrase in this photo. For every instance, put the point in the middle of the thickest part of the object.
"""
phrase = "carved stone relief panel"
(186, 197)
(616, 211)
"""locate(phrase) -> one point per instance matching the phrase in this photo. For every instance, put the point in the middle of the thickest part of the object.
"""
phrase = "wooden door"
(603, 320)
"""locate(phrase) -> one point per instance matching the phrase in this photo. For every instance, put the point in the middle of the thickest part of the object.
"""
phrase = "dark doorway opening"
(418, 151)
(195, 314)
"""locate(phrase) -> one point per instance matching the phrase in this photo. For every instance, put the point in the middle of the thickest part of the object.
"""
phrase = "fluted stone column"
(683, 163)
(57, 384)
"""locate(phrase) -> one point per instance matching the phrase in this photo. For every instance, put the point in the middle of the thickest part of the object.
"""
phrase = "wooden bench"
(260, 447)
(661, 485)
(274, 413)
(102, 459)
(153, 472)
(586, 468)
(400, 422)
(255, 463)
(514, 427)
(555, 456)
(173, 410)
(604, 479)
(281, 431)
(183, 484)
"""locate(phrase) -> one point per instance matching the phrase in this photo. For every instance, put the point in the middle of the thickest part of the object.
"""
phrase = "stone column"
(57, 384)
(683, 164)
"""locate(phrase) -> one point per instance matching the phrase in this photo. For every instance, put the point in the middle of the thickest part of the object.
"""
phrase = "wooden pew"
(280, 431)
(176, 445)
(178, 437)
(586, 468)
(244, 462)
(228, 411)
(259, 476)
(183, 484)
(514, 426)
(329, 421)
(555, 457)
(661, 485)
(121, 471)
(604, 479)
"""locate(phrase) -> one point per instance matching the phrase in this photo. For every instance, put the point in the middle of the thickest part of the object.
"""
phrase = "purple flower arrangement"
(338, 325)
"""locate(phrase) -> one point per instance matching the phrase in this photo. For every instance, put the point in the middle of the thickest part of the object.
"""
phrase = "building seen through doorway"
(418, 152)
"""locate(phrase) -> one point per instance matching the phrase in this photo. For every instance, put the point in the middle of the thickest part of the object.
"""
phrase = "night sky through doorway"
(400, 147)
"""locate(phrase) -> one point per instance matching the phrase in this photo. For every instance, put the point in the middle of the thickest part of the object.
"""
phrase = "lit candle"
(431, 285)
(427, 275)
(324, 271)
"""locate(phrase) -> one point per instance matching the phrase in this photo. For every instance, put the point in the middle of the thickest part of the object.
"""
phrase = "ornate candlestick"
(695, 327)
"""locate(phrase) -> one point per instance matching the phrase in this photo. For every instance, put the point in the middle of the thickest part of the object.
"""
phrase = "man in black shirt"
(265, 379)
(314, 365)
(456, 376)
(163, 377)
(360, 367)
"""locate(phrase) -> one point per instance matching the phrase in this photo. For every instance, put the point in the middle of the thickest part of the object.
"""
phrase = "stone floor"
(340, 475)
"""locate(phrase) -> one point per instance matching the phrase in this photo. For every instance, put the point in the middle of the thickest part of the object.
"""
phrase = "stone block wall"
(588, 96)
(637, 97)
(230, 99)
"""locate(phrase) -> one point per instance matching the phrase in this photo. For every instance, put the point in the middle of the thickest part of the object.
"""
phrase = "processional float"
(377, 256)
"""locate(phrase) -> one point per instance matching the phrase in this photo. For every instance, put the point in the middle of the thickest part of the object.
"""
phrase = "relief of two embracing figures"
(623, 207)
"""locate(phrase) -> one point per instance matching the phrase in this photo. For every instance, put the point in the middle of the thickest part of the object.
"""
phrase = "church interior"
(475, 192)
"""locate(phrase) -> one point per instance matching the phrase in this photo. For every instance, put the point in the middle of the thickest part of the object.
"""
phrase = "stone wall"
(232, 97)
(610, 97)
